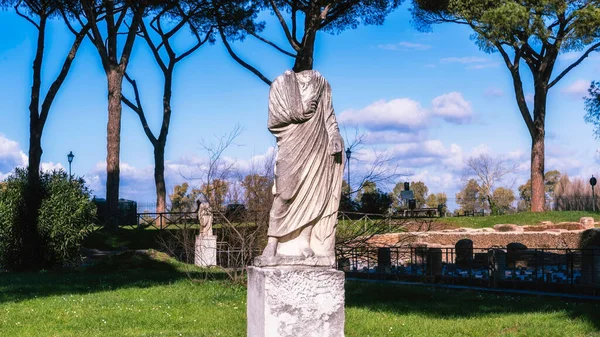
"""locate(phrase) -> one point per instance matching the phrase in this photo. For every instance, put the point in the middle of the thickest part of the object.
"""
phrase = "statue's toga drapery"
(308, 170)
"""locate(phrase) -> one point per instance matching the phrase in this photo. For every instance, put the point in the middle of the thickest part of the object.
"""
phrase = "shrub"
(12, 217)
(64, 218)
(590, 238)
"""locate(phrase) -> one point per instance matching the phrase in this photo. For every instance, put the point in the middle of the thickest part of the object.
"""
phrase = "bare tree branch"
(138, 109)
(594, 47)
(240, 61)
(286, 30)
(283, 51)
(25, 16)
(55, 86)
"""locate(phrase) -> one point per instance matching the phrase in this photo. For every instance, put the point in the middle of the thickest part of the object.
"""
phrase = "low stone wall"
(570, 239)
(544, 235)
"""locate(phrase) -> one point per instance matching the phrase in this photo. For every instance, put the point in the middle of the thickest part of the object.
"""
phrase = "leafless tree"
(241, 235)
(490, 172)
(380, 168)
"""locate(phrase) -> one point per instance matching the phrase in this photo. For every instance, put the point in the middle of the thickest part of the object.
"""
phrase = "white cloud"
(11, 156)
(428, 148)
(464, 60)
(52, 166)
(494, 92)
(400, 114)
(472, 62)
(484, 65)
(577, 89)
(453, 108)
(404, 45)
(392, 137)
(575, 55)
(404, 120)
(570, 56)
(137, 183)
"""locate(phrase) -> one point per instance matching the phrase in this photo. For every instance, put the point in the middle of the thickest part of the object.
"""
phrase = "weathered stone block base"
(294, 301)
(205, 253)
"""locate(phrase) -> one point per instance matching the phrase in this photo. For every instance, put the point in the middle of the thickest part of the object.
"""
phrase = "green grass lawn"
(139, 296)
(522, 219)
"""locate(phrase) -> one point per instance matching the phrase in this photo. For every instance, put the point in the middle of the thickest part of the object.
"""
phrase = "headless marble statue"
(308, 169)
(205, 216)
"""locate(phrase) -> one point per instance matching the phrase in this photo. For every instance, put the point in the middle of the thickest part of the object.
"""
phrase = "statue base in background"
(292, 301)
(205, 253)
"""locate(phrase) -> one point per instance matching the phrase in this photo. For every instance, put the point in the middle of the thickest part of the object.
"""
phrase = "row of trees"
(254, 191)
(530, 33)
(157, 22)
(562, 194)
(533, 33)
(574, 195)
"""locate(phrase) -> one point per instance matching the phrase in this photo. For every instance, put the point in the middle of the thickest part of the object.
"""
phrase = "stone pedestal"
(293, 301)
(205, 251)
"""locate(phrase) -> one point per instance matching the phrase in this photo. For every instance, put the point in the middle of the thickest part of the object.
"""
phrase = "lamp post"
(593, 183)
(70, 157)
(348, 156)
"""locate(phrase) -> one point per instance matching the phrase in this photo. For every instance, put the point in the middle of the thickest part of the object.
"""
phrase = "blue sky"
(428, 101)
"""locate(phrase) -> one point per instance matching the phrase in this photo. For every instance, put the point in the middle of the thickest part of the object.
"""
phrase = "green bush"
(12, 215)
(65, 216)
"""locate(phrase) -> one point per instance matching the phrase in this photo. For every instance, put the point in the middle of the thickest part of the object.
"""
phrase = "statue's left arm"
(336, 142)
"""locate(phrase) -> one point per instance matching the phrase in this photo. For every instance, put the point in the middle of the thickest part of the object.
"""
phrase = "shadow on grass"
(452, 303)
(124, 238)
(126, 270)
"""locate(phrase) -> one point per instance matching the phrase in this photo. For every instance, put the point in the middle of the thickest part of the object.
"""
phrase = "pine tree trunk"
(305, 57)
(538, 192)
(537, 173)
(115, 82)
(159, 178)
(30, 256)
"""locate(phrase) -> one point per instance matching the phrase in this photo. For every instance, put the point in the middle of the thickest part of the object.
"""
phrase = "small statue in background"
(205, 216)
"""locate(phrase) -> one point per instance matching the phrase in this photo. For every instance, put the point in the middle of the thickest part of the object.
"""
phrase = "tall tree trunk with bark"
(30, 259)
(160, 144)
(35, 131)
(538, 196)
(114, 77)
(305, 57)
(159, 177)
